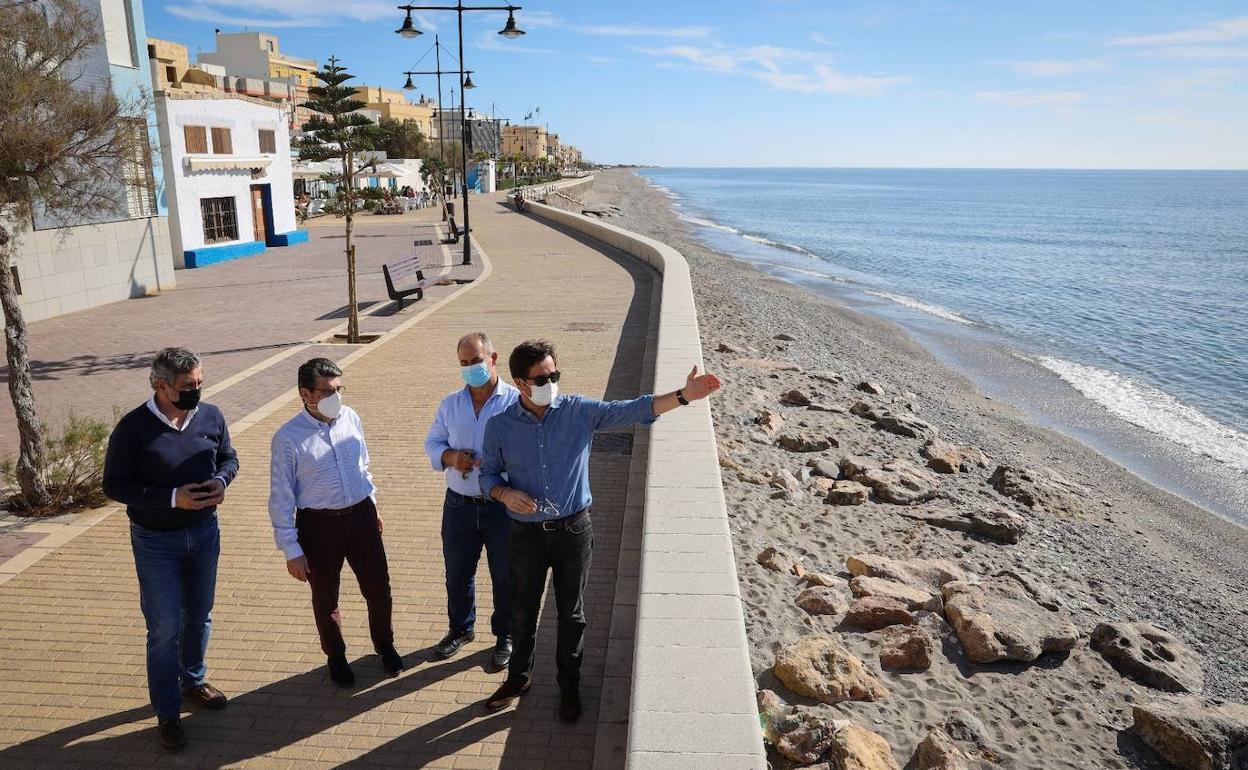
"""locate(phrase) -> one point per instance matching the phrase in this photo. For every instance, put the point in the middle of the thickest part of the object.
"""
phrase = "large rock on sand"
(944, 457)
(926, 574)
(875, 612)
(997, 619)
(822, 600)
(900, 423)
(1195, 734)
(999, 526)
(846, 492)
(914, 598)
(769, 422)
(906, 648)
(1149, 655)
(779, 560)
(1039, 488)
(820, 667)
(900, 482)
(857, 748)
(795, 441)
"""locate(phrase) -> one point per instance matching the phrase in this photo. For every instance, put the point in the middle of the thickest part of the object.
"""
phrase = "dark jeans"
(177, 581)
(329, 538)
(567, 553)
(468, 524)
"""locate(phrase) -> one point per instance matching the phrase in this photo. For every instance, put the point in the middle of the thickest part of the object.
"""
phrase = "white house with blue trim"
(228, 179)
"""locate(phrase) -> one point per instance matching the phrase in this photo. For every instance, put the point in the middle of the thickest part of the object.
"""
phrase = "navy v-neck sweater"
(147, 460)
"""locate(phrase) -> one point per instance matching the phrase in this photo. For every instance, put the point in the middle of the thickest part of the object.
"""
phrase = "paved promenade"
(72, 687)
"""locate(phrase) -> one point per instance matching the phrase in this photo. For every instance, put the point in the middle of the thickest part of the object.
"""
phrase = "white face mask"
(330, 406)
(543, 395)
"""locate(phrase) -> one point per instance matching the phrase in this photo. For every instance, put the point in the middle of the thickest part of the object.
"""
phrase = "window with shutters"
(196, 138)
(221, 141)
(137, 168)
(118, 32)
(220, 219)
(268, 141)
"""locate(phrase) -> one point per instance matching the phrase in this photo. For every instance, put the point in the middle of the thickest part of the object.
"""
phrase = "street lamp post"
(409, 86)
(510, 31)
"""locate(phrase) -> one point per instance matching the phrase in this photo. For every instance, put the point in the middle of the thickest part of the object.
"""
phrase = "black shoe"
(172, 736)
(570, 706)
(207, 695)
(502, 653)
(340, 671)
(451, 643)
(503, 696)
(391, 661)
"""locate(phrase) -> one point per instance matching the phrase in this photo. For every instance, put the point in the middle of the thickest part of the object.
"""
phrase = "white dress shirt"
(315, 465)
(457, 426)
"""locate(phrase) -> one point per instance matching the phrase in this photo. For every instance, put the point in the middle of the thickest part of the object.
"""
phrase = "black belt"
(334, 511)
(480, 499)
(555, 525)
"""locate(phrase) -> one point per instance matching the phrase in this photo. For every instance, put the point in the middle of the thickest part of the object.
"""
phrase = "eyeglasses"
(330, 391)
(542, 379)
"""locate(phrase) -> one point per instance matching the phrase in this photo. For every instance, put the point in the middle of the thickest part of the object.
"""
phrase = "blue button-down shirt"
(315, 465)
(548, 459)
(458, 426)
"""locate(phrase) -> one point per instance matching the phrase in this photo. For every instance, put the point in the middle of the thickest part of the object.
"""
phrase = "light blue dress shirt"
(457, 426)
(315, 465)
(548, 459)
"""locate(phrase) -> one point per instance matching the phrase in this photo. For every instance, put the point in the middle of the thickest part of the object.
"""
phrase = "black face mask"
(187, 399)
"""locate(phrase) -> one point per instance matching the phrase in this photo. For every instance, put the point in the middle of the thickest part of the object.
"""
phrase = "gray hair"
(316, 367)
(170, 362)
(486, 345)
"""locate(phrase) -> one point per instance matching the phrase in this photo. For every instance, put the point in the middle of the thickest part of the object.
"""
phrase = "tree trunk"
(31, 453)
(353, 308)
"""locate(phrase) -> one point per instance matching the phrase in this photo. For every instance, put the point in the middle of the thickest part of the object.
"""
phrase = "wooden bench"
(403, 271)
(456, 233)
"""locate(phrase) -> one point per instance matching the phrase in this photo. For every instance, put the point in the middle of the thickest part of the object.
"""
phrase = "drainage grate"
(584, 326)
(422, 242)
(613, 443)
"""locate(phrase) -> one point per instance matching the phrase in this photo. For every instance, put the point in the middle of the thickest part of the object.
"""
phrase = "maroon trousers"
(330, 537)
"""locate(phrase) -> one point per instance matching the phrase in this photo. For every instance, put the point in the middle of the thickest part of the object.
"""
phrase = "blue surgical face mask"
(476, 375)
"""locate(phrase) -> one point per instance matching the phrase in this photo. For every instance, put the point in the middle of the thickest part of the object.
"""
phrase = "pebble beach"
(971, 570)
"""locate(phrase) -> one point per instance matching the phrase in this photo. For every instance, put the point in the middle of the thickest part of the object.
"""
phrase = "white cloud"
(1217, 32)
(279, 14)
(1048, 68)
(1201, 52)
(1059, 101)
(820, 38)
(773, 65)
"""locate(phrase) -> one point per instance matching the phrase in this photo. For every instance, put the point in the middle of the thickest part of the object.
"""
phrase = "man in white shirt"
(471, 521)
(321, 503)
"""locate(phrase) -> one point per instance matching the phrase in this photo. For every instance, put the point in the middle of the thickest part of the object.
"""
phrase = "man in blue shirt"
(323, 510)
(170, 461)
(470, 520)
(535, 462)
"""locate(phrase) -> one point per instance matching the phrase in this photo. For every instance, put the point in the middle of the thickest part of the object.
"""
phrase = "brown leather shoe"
(208, 696)
(172, 736)
(503, 696)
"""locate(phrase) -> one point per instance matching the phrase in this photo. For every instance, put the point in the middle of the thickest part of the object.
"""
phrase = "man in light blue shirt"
(470, 520)
(535, 461)
(322, 506)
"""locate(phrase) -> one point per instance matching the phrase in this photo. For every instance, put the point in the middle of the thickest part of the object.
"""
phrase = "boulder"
(845, 492)
(726, 461)
(806, 736)
(927, 574)
(826, 376)
(1039, 488)
(875, 612)
(822, 579)
(785, 337)
(853, 466)
(1149, 655)
(1043, 595)
(937, 751)
(857, 748)
(822, 600)
(769, 422)
(821, 486)
(821, 466)
(1194, 733)
(751, 476)
(873, 388)
(944, 457)
(900, 482)
(862, 409)
(906, 648)
(795, 397)
(804, 442)
(783, 478)
(820, 667)
(778, 560)
(997, 619)
(914, 598)
(904, 424)
(999, 526)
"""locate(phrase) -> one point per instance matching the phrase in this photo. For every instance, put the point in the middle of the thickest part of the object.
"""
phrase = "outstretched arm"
(697, 386)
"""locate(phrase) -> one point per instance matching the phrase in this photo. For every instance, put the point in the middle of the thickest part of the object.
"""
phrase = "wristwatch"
(680, 396)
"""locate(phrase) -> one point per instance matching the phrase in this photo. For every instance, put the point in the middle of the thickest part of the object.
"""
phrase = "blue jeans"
(468, 524)
(177, 580)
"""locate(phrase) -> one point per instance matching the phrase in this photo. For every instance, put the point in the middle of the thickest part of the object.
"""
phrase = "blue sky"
(1101, 84)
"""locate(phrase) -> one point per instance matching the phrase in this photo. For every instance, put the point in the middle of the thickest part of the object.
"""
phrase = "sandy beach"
(1095, 543)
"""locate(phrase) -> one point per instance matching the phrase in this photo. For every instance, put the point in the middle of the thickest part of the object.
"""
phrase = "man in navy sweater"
(170, 461)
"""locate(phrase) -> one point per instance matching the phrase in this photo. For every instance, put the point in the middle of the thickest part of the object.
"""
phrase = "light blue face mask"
(475, 375)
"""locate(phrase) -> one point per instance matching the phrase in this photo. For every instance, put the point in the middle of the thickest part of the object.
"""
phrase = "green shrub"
(74, 472)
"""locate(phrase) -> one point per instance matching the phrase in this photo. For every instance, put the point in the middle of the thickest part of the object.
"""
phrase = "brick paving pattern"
(72, 677)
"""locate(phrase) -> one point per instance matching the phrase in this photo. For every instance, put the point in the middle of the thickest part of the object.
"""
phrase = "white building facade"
(92, 258)
(228, 182)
